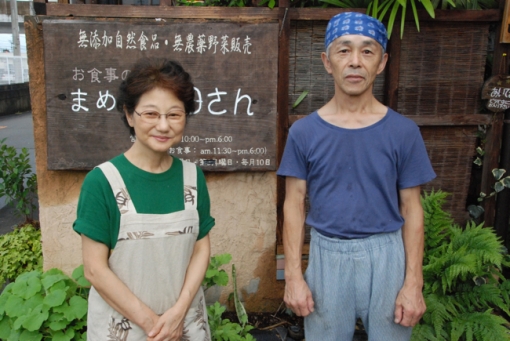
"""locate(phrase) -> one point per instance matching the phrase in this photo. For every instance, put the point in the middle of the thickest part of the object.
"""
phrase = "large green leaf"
(49, 280)
(5, 328)
(78, 306)
(16, 325)
(66, 310)
(35, 318)
(55, 298)
(60, 336)
(34, 301)
(30, 336)
(79, 276)
(58, 325)
(33, 287)
(3, 300)
(14, 306)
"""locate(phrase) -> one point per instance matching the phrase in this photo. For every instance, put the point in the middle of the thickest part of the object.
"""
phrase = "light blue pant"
(356, 278)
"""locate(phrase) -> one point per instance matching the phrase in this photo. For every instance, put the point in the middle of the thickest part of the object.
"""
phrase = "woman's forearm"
(195, 272)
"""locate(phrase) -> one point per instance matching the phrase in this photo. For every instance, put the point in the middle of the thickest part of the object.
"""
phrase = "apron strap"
(189, 172)
(118, 186)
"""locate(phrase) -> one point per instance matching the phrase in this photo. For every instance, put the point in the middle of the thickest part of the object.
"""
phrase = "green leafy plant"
(464, 289)
(20, 251)
(392, 7)
(225, 329)
(45, 306)
(214, 275)
(17, 182)
(501, 183)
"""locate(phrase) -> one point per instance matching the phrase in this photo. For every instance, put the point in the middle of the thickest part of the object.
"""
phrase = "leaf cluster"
(45, 306)
(17, 182)
(224, 329)
(465, 292)
(214, 275)
(20, 251)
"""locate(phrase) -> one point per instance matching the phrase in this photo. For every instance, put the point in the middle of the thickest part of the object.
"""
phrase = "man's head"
(358, 24)
(355, 52)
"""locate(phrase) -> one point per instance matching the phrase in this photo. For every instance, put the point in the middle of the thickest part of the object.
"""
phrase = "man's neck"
(353, 112)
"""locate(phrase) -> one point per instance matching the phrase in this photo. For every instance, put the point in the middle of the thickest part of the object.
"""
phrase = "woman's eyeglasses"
(153, 116)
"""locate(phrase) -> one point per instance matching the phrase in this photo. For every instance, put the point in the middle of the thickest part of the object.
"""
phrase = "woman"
(144, 219)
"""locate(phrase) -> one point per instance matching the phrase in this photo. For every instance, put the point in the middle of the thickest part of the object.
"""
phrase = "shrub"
(20, 251)
(45, 306)
(465, 292)
(18, 183)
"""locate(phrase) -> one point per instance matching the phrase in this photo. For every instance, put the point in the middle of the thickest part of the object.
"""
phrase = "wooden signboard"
(496, 92)
(234, 70)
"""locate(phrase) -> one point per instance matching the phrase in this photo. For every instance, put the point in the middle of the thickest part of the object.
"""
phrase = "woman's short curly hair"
(150, 73)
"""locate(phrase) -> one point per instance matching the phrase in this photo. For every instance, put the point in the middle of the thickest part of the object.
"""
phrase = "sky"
(6, 42)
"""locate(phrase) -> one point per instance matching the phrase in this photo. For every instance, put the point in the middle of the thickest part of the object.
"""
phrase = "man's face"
(354, 61)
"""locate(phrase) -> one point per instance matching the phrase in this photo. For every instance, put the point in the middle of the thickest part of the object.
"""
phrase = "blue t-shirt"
(353, 175)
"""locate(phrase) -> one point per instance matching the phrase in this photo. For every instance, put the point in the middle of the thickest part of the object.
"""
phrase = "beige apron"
(151, 257)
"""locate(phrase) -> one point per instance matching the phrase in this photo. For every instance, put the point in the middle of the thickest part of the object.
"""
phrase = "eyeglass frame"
(159, 115)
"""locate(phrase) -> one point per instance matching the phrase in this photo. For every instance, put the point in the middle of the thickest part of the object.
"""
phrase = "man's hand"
(298, 297)
(409, 306)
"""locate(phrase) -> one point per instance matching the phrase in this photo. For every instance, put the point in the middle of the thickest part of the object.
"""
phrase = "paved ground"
(18, 132)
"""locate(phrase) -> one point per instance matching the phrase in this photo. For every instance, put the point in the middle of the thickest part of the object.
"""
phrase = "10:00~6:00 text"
(197, 139)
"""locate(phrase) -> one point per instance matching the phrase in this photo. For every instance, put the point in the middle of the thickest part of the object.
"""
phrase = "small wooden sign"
(233, 67)
(496, 92)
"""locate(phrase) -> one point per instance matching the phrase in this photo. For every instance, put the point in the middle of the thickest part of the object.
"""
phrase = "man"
(362, 165)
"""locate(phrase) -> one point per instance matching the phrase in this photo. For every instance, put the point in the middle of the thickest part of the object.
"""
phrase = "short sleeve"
(293, 161)
(414, 166)
(93, 217)
(204, 206)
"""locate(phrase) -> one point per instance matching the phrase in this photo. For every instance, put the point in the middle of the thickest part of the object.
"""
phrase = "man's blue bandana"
(356, 23)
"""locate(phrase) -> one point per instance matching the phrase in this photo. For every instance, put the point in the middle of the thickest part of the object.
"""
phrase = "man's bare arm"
(410, 305)
(297, 294)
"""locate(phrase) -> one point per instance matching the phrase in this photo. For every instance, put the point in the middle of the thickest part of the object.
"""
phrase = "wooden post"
(494, 133)
(283, 109)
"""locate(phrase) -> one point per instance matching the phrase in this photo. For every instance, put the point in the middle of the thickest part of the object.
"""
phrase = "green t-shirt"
(98, 215)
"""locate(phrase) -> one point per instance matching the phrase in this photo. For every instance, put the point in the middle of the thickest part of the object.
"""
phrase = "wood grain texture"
(234, 127)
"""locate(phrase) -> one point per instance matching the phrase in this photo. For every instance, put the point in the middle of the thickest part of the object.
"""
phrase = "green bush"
(466, 294)
(45, 306)
(20, 251)
(17, 182)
